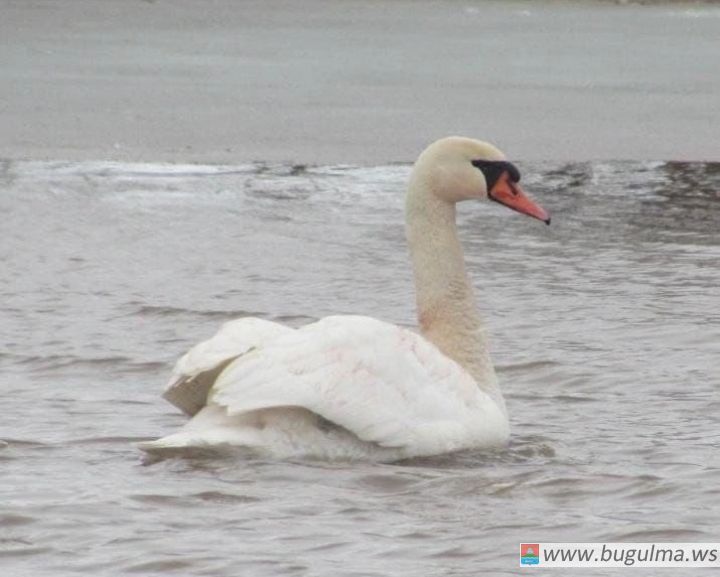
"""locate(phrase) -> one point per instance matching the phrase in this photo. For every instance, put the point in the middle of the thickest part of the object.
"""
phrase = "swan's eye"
(494, 169)
(513, 172)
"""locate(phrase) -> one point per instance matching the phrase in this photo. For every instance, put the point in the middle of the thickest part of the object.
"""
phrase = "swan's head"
(456, 169)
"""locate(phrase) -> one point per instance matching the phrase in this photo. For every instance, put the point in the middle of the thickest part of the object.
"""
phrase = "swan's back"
(343, 387)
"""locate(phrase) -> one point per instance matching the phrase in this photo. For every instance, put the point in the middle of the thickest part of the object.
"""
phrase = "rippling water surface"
(605, 329)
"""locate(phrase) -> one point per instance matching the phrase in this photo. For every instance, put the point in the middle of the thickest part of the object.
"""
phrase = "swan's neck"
(445, 302)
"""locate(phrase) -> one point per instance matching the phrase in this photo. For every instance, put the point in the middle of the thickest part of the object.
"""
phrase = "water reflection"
(684, 203)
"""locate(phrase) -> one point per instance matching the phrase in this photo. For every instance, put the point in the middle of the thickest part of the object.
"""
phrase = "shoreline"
(358, 82)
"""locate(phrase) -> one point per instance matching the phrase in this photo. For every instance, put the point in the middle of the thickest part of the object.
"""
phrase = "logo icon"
(530, 554)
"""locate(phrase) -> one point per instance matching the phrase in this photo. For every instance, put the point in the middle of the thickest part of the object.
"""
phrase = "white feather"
(196, 371)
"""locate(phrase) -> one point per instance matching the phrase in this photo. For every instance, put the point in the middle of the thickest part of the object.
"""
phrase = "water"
(324, 81)
(605, 330)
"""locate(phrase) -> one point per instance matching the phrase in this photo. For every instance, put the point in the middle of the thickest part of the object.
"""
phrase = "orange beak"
(511, 195)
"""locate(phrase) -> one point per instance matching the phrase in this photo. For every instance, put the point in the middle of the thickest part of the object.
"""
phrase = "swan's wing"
(196, 371)
(385, 384)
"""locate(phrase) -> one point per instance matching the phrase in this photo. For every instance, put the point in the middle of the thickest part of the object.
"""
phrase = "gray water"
(326, 81)
(605, 330)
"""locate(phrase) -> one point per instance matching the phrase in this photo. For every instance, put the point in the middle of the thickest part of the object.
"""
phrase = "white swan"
(351, 387)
